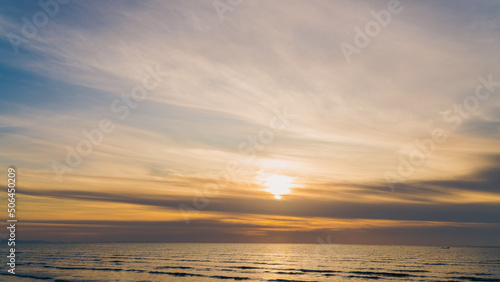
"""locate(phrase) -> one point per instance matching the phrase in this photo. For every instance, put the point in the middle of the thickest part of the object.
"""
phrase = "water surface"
(252, 262)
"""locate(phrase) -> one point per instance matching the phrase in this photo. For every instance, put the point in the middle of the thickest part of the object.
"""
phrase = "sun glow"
(278, 185)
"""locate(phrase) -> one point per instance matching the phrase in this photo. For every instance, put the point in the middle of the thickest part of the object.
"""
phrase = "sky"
(364, 122)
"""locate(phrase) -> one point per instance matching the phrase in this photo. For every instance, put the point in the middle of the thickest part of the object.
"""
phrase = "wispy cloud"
(227, 79)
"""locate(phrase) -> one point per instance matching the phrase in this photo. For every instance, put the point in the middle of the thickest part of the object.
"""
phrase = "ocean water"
(251, 262)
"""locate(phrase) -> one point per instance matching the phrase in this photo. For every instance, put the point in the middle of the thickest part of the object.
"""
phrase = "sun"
(278, 185)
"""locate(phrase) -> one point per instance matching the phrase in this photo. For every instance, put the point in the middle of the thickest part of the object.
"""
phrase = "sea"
(250, 262)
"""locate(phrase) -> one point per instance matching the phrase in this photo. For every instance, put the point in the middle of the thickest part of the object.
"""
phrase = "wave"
(229, 277)
(317, 270)
(385, 274)
(436, 263)
(410, 270)
(32, 276)
(268, 263)
(176, 267)
(32, 263)
(181, 274)
(365, 277)
(286, 280)
(289, 273)
(185, 274)
(92, 268)
(245, 267)
(471, 278)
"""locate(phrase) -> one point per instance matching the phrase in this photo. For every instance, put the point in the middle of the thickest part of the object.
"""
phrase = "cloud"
(227, 79)
(300, 207)
(212, 231)
(487, 179)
